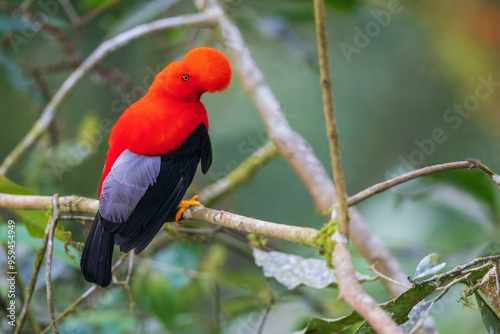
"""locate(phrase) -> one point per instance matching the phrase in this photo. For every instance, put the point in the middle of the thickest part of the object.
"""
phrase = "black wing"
(137, 196)
(163, 196)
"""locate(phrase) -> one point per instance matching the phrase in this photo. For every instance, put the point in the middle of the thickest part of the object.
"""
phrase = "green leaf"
(477, 184)
(23, 236)
(398, 308)
(293, 270)
(417, 316)
(327, 326)
(151, 291)
(489, 314)
(342, 5)
(35, 220)
(429, 266)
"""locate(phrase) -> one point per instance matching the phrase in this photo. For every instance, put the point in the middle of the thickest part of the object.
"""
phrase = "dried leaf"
(293, 270)
(489, 314)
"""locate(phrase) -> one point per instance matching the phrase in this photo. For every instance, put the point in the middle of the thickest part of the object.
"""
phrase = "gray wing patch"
(126, 183)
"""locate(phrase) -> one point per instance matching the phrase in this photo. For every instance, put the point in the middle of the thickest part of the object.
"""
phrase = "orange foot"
(183, 205)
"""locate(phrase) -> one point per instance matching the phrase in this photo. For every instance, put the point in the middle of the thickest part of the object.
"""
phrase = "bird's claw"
(183, 205)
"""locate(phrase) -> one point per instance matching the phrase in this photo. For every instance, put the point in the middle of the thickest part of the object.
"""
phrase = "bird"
(154, 150)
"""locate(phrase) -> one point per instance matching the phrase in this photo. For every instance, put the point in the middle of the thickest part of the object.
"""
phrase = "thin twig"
(383, 186)
(205, 19)
(217, 308)
(31, 286)
(48, 270)
(175, 270)
(459, 269)
(70, 11)
(212, 230)
(77, 217)
(379, 274)
(349, 288)
(449, 285)
(130, 266)
(88, 293)
(95, 12)
(269, 305)
(331, 124)
(497, 278)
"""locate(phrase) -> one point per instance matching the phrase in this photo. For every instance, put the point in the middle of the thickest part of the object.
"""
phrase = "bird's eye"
(185, 77)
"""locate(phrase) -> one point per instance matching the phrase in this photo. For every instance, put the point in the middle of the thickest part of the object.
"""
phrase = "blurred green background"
(400, 71)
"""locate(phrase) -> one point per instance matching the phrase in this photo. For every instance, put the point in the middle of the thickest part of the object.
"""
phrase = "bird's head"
(201, 70)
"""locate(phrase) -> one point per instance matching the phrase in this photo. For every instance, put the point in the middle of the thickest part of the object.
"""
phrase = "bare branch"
(48, 270)
(300, 235)
(31, 286)
(350, 289)
(497, 278)
(383, 186)
(95, 12)
(379, 274)
(295, 149)
(331, 123)
(70, 11)
(270, 304)
(72, 204)
(205, 19)
(487, 260)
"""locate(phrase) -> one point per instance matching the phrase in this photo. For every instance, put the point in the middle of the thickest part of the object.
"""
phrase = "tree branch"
(300, 235)
(295, 149)
(205, 19)
(350, 289)
(331, 124)
(48, 270)
(90, 292)
(383, 186)
(34, 277)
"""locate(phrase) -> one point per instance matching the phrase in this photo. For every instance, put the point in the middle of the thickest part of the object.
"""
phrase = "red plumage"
(170, 104)
(154, 149)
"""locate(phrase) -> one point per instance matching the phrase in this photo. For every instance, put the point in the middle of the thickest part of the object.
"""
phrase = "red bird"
(154, 150)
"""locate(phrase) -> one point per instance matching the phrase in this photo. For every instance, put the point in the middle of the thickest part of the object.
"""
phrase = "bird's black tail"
(97, 253)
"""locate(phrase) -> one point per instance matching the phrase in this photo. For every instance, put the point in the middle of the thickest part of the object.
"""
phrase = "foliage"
(399, 86)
